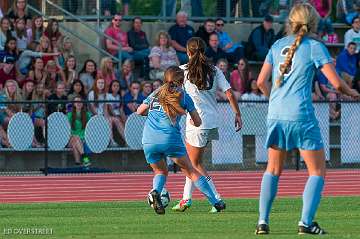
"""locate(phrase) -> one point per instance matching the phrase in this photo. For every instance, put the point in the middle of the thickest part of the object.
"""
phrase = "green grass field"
(340, 216)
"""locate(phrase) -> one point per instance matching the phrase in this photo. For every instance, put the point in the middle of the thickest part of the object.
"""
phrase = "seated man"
(235, 51)
(346, 63)
(120, 36)
(261, 39)
(353, 34)
(180, 33)
(206, 30)
(214, 52)
(138, 41)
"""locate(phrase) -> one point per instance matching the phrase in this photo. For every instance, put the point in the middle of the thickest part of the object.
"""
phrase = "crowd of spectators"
(38, 62)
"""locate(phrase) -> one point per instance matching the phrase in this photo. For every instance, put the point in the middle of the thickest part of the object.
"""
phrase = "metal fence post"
(164, 9)
(228, 10)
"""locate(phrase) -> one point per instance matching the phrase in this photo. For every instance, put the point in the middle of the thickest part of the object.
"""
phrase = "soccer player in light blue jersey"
(292, 62)
(162, 136)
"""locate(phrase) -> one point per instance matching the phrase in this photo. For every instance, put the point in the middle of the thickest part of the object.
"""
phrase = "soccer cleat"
(182, 205)
(157, 204)
(262, 229)
(218, 207)
(86, 162)
(314, 229)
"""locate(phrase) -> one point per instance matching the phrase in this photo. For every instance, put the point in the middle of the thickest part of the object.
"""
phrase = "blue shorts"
(155, 152)
(288, 135)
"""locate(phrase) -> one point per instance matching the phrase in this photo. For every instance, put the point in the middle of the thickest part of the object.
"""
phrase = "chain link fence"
(31, 141)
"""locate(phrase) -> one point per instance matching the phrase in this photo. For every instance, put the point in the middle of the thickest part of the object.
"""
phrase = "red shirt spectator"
(119, 35)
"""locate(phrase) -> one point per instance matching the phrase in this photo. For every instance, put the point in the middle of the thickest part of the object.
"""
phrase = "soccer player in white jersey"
(292, 62)
(201, 82)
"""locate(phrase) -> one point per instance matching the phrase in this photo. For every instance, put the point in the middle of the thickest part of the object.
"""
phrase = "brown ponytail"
(169, 98)
(200, 71)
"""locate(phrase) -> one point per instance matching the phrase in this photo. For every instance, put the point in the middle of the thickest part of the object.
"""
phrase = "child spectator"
(156, 84)
(10, 49)
(222, 64)
(37, 29)
(38, 73)
(12, 93)
(77, 89)
(252, 93)
(116, 107)
(353, 34)
(88, 74)
(127, 76)
(346, 63)
(146, 88)
(206, 30)
(52, 32)
(162, 56)
(7, 70)
(240, 77)
(78, 119)
(325, 28)
(53, 77)
(5, 32)
(66, 50)
(70, 71)
(59, 94)
(133, 98)
(107, 71)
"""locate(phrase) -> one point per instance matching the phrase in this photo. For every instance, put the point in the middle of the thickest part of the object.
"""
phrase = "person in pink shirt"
(325, 28)
(115, 32)
(239, 77)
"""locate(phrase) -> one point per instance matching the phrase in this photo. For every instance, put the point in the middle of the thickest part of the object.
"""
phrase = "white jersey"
(205, 100)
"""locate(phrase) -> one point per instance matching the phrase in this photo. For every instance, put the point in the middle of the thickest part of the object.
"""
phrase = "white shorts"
(200, 137)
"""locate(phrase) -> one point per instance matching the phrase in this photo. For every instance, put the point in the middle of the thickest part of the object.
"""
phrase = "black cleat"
(219, 206)
(157, 204)
(314, 229)
(262, 229)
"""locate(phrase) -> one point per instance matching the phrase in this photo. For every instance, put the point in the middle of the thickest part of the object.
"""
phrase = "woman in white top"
(252, 93)
(201, 82)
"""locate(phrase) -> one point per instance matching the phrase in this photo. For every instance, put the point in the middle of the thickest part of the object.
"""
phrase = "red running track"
(125, 187)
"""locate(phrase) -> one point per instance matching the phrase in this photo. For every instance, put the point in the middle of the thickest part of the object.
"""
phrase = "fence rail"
(233, 151)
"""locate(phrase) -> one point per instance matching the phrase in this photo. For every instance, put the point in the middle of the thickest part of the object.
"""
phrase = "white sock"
(212, 186)
(188, 189)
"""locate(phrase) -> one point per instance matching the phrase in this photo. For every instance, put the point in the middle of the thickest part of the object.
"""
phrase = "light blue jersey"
(292, 101)
(158, 127)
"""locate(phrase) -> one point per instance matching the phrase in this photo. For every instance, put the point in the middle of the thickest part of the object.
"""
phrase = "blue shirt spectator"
(346, 61)
(133, 98)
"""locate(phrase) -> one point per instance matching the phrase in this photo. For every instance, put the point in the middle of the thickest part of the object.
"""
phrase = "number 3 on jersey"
(288, 70)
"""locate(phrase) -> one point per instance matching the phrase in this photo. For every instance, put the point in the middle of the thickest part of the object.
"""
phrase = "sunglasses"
(220, 24)
(117, 20)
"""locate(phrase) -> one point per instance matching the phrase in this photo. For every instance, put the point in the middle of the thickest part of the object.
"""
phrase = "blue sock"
(204, 187)
(159, 181)
(269, 185)
(311, 198)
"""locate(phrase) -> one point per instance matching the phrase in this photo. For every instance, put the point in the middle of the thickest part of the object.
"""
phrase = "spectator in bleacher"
(252, 92)
(4, 31)
(78, 119)
(38, 73)
(346, 63)
(12, 93)
(157, 84)
(114, 31)
(235, 51)
(180, 33)
(52, 32)
(54, 76)
(325, 28)
(133, 98)
(146, 88)
(77, 89)
(223, 65)
(107, 71)
(214, 52)
(139, 42)
(7, 70)
(108, 7)
(70, 72)
(38, 109)
(59, 94)
(206, 30)
(88, 74)
(27, 91)
(240, 77)
(346, 10)
(37, 30)
(162, 56)
(99, 92)
(127, 76)
(20, 34)
(65, 49)
(10, 48)
(116, 108)
(23, 64)
(19, 10)
(353, 34)
(261, 39)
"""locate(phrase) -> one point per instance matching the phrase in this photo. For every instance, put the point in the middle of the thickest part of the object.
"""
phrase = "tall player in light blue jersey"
(292, 62)
(162, 136)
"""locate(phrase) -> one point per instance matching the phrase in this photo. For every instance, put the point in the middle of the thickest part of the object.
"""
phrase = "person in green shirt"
(78, 119)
